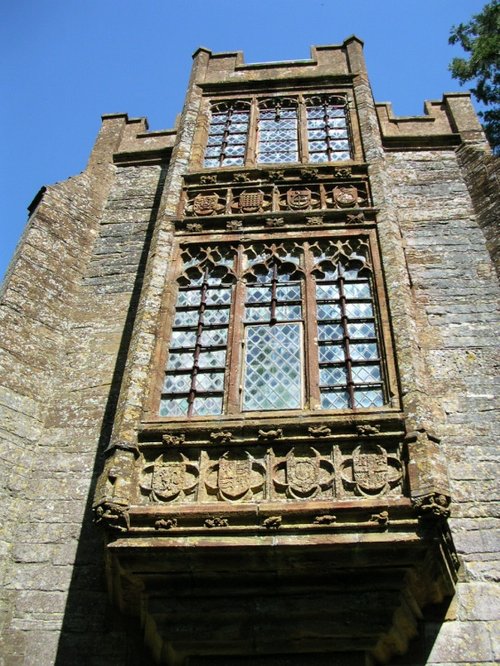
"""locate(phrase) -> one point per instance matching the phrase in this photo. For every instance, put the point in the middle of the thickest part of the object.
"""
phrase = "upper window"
(285, 130)
(274, 326)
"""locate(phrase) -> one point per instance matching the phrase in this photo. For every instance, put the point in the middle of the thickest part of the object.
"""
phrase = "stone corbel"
(115, 490)
(427, 474)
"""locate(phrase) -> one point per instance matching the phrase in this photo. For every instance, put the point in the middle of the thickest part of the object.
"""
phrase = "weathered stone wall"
(456, 298)
(67, 309)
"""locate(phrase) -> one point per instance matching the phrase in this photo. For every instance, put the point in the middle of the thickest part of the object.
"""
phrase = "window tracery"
(270, 326)
(286, 130)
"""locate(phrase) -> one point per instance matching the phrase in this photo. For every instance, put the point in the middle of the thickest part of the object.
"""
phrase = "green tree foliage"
(480, 38)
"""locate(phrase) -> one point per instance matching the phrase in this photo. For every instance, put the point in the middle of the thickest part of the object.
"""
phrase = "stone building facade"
(258, 350)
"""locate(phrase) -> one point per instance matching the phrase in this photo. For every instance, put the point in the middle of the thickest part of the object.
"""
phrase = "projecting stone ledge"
(309, 583)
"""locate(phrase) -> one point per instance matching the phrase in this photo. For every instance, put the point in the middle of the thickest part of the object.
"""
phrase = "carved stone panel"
(274, 470)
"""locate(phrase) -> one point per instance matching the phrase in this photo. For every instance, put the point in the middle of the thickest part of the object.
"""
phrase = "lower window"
(277, 326)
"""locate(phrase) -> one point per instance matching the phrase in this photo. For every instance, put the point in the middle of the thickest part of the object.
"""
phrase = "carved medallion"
(168, 480)
(235, 479)
(251, 201)
(345, 197)
(299, 199)
(206, 204)
(303, 476)
(370, 471)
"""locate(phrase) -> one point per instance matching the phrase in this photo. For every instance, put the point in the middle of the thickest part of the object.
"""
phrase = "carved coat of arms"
(167, 480)
(369, 467)
(206, 204)
(252, 201)
(303, 476)
(371, 471)
(299, 199)
(235, 479)
(345, 197)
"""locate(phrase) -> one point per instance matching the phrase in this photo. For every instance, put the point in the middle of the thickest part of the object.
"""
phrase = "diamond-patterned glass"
(364, 351)
(212, 359)
(258, 294)
(183, 339)
(216, 316)
(331, 353)
(213, 337)
(177, 384)
(357, 289)
(365, 330)
(368, 398)
(359, 310)
(366, 374)
(273, 378)
(335, 400)
(209, 381)
(188, 297)
(207, 405)
(173, 406)
(186, 318)
(328, 311)
(326, 292)
(332, 376)
(219, 296)
(330, 332)
(180, 361)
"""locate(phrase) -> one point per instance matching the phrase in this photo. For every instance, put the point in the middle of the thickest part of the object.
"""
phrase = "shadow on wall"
(95, 633)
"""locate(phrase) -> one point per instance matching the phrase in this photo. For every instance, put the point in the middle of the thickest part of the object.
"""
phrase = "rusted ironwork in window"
(279, 130)
(327, 128)
(275, 326)
(228, 134)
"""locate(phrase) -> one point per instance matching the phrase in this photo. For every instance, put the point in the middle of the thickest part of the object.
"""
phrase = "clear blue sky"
(65, 62)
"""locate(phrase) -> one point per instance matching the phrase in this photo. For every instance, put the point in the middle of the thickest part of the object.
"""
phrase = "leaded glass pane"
(288, 292)
(368, 398)
(278, 158)
(332, 376)
(273, 378)
(173, 406)
(177, 384)
(207, 405)
(328, 311)
(357, 290)
(258, 294)
(334, 400)
(213, 337)
(215, 358)
(365, 330)
(186, 318)
(180, 361)
(183, 339)
(331, 353)
(209, 381)
(330, 332)
(318, 157)
(364, 351)
(216, 316)
(366, 374)
(218, 296)
(186, 297)
(326, 292)
(212, 162)
(257, 314)
(233, 161)
(359, 310)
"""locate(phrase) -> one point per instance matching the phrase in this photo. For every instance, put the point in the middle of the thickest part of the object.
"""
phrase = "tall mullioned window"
(277, 326)
(279, 130)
